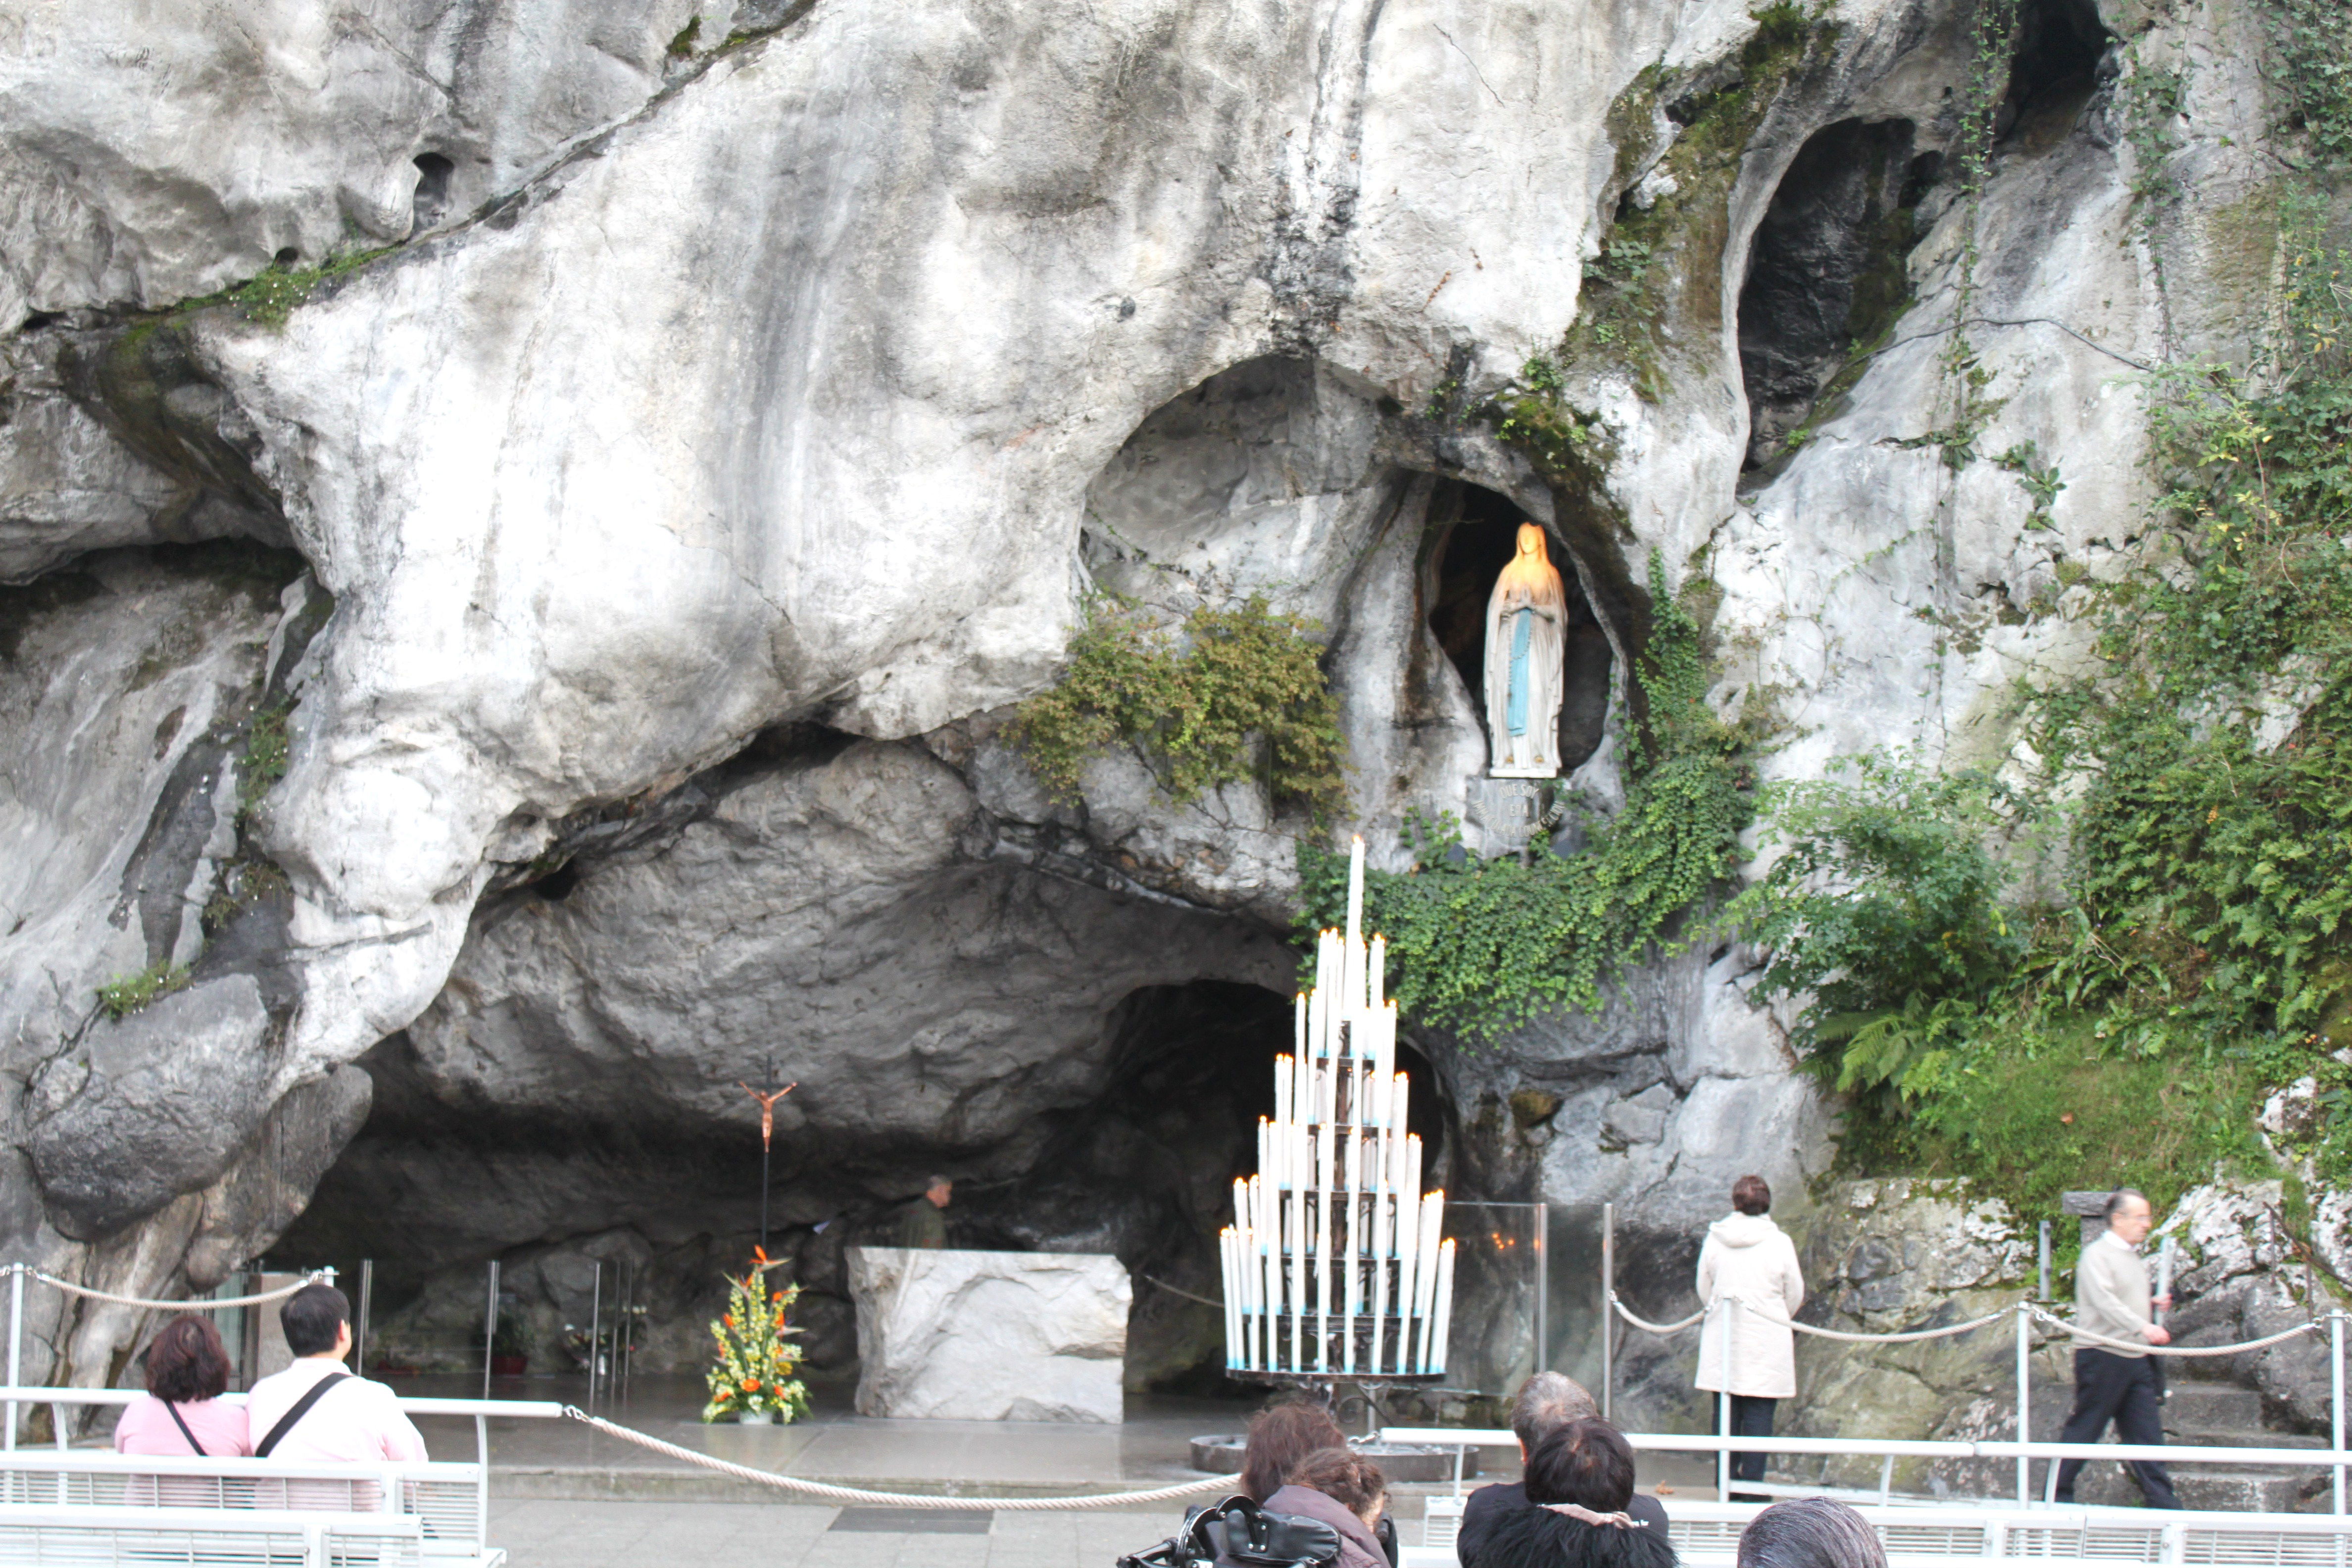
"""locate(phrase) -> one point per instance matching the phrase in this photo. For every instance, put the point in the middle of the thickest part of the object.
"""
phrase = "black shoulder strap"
(301, 1408)
(183, 1425)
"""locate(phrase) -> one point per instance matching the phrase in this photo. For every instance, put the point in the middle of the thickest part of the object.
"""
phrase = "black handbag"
(1240, 1530)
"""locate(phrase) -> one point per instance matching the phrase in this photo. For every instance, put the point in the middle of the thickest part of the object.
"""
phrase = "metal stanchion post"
(1608, 1308)
(2024, 1421)
(490, 1328)
(1722, 1405)
(2336, 1408)
(17, 1342)
(367, 1300)
(627, 1328)
(596, 1331)
(2043, 1294)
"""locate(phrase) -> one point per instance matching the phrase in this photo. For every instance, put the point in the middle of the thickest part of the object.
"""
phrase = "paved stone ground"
(551, 1534)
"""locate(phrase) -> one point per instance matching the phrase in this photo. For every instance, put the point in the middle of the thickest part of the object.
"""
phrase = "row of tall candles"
(1334, 1262)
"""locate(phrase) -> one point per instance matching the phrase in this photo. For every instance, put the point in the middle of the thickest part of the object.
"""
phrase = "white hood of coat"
(1743, 1230)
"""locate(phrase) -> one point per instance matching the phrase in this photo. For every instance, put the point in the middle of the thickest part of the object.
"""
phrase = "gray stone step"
(2239, 1491)
(2238, 1437)
(2214, 1407)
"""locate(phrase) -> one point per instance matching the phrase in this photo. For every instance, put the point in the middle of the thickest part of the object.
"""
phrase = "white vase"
(756, 1418)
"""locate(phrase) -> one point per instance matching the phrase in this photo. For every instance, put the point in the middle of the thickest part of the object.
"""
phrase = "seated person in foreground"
(1580, 1483)
(1279, 1436)
(1340, 1488)
(1810, 1532)
(1545, 1402)
(181, 1413)
(314, 1411)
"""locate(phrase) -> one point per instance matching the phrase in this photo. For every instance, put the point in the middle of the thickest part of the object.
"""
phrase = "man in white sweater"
(2111, 1298)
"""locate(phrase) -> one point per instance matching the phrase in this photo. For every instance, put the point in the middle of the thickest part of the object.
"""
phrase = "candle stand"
(1335, 1268)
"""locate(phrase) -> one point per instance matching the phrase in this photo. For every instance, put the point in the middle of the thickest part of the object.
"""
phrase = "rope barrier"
(206, 1304)
(1649, 1328)
(2058, 1322)
(902, 1500)
(1906, 1338)
(1172, 1290)
(1916, 1334)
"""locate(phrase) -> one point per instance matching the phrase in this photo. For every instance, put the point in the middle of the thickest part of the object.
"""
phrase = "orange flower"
(729, 1319)
(751, 1386)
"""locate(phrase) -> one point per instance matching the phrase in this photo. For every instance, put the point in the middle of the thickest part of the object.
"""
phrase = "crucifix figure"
(767, 1136)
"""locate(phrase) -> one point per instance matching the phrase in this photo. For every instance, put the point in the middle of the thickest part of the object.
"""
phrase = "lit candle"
(1227, 1242)
(1376, 969)
(1382, 1230)
(1323, 1273)
(1296, 1233)
(1444, 1327)
(1241, 1203)
(1356, 888)
(1408, 1237)
(1433, 1212)
(1269, 1303)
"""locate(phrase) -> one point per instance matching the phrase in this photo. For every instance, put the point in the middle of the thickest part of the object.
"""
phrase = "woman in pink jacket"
(1743, 1350)
(182, 1414)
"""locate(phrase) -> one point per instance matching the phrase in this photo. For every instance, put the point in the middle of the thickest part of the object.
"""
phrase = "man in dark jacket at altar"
(1545, 1402)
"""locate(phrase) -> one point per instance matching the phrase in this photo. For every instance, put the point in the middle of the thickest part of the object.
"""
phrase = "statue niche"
(1527, 628)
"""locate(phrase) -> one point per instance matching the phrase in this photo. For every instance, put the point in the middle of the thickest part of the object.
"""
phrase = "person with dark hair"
(1338, 1487)
(2111, 1298)
(1579, 1487)
(314, 1410)
(182, 1413)
(1281, 1435)
(1751, 1285)
(1545, 1402)
(1810, 1532)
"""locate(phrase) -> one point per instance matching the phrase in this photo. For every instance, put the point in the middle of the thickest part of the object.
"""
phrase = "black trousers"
(2122, 1389)
(1751, 1417)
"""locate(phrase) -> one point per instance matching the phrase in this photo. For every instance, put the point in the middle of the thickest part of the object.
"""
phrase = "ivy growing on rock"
(1238, 694)
(2195, 950)
(1477, 947)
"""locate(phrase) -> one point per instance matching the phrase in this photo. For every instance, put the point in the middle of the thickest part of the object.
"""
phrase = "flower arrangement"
(753, 1376)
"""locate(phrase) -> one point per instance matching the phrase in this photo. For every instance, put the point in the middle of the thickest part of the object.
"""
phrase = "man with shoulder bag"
(315, 1412)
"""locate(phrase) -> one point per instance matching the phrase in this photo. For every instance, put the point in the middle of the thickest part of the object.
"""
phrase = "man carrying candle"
(2112, 1383)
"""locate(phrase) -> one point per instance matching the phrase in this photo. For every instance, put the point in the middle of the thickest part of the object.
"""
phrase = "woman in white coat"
(1742, 1350)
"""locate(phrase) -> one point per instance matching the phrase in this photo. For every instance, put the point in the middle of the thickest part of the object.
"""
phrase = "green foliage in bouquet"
(757, 1367)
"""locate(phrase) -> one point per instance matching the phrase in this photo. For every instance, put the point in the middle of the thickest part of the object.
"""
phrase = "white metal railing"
(432, 1481)
(2025, 1312)
(1889, 1449)
(46, 1535)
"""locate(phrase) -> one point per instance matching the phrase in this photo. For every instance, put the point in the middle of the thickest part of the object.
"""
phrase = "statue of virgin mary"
(1527, 630)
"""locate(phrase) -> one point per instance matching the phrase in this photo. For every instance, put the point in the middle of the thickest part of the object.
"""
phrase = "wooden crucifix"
(767, 1099)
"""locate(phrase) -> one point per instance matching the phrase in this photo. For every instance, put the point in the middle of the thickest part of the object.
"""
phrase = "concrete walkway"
(551, 1534)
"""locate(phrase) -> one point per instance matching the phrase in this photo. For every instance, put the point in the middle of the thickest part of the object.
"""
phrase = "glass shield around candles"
(1336, 1263)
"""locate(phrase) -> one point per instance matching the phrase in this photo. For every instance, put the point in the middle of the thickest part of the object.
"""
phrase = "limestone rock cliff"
(547, 631)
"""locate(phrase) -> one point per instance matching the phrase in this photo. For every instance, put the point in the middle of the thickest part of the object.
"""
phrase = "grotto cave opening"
(1473, 532)
(430, 203)
(1826, 272)
(1141, 1167)
(2056, 69)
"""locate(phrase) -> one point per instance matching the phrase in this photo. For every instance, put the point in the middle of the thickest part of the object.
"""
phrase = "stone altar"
(990, 1336)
